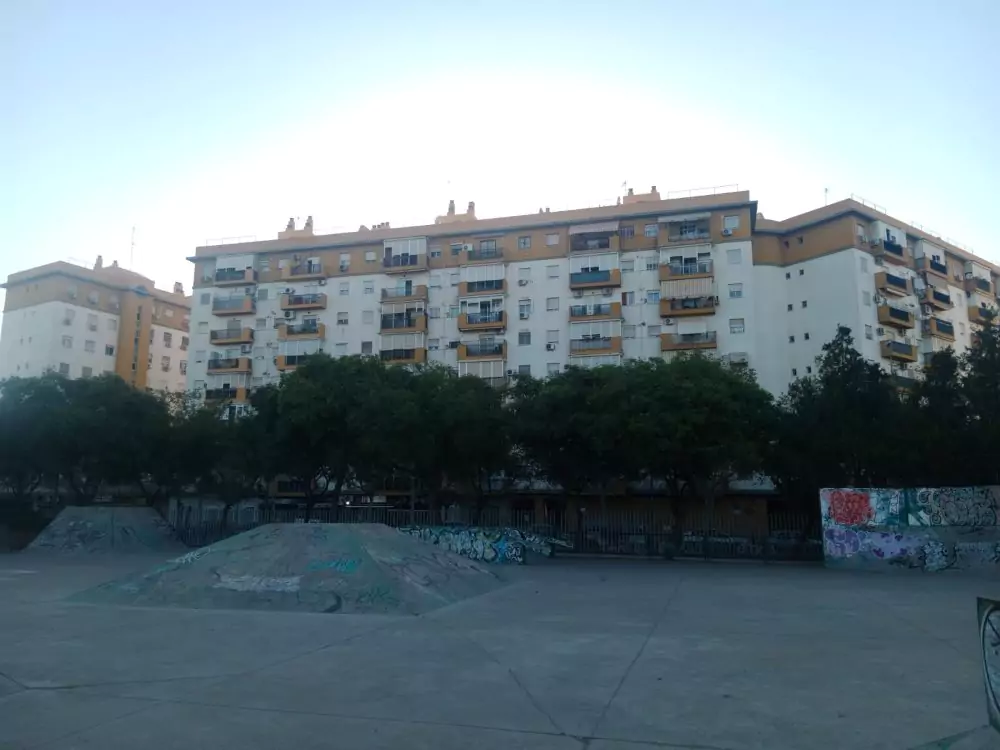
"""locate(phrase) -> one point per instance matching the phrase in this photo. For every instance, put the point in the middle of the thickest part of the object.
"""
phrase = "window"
(184, 343)
(86, 372)
(369, 287)
(805, 336)
(205, 298)
(551, 239)
(790, 307)
(524, 338)
(64, 368)
(961, 327)
(795, 372)
(552, 303)
(109, 350)
(791, 339)
(454, 277)
(112, 324)
(345, 288)
(370, 256)
(735, 291)
(731, 222)
(652, 296)
(90, 346)
(367, 316)
(628, 298)
(199, 356)
(67, 342)
(262, 294)
(653, 330)
(113, 301)
(788, 274)
(345, 261)
(801, 239)
(434, 312)
(551, 368)
(340, 349)
(805, 303)
(868, 332)
(165, 363)
(737, 325)
(628, 331)
(341, 319)
(168, 340)
(552, 337)
(183, 366)
(524, 369)
(626, 232)
(456, 248)
(734, 256)
(552, 272)
(866, 298)
(524, 273)
(435, 281)
(524, 243)
(802, 272)
(524, 309)
(651, 230)
(652, 263)
(864, 265)
(366, 347)
(433, 344)
(68, 316)
(93, 298)
(628, 265)
(91, 322)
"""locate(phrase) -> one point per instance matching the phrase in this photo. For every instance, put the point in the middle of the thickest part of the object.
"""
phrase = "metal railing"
(399, 321)
(301, 329)
(691, 303)
(306, 269)
(294, 360)
(495, 316)
(221, 394)
(943, 326)
(893, 247)
(404, 261)
(223, 363)
(687, 269)
(493, 285)
(899, 313)
(483, 350)
(234, 274)
(897, 281)
(232, 303)
(899, 347)
(305, 299)
(228, 334)
(583, 311)
(942, 297)
(589, 277)
(590, 245)
(583, 345)
(680, 339)
(395, 293)
(485, 253)
(395, 355)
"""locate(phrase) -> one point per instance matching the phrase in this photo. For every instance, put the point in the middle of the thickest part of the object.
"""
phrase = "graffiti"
(955, 506)
(989, 635)
(339, 565)
(839, 542)
(376, 596)
(193, 555)
(258, 584)
(491, 545)
(849, 507)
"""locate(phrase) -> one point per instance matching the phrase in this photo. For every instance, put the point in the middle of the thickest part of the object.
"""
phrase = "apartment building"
(83, 322)
(537, 293)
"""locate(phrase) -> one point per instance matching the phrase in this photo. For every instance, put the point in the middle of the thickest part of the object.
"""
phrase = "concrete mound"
(347, 568)
(95, 530)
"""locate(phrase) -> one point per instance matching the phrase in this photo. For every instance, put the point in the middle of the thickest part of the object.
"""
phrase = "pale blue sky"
(196, 120)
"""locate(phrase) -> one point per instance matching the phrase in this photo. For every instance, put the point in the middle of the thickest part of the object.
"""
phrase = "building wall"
(929, 529)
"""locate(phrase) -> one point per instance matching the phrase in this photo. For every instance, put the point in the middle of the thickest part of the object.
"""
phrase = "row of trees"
(687, 425)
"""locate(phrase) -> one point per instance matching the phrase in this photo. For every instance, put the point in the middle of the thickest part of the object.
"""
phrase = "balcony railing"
(937, 297)
(390, 322)
(485, 253)
(303, 300)
(895, 283)
(943, 328)
(893, 248)
(705, 340)
(590, 245)
(416, 292)
(679, 306)
(227, 363)
(936, 266)
(302, 329)
(483, 318)
(895, 316)
(404, 262)
(899, 350)
(677, 232)
(493, 285)
(293, 360)
(586, 345)
(976, 283)
(400, 355)
(225, 394)
(484, 350)
(230, 334)
(690, 269)
(235, 275)
(233, 304)
(305, 270)
(590, 277)
(583, 311)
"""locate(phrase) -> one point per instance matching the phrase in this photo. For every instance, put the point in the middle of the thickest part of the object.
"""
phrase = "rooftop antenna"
(131, 251)
(826, 195)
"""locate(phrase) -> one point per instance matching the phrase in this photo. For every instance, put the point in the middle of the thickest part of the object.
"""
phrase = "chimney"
(114, 264)
(290, 227)
(472, 209)
(178, 288)
(309, 224)
(451, 208)
(99, 264)
(631, 191)
(548, 210)
(653, 189)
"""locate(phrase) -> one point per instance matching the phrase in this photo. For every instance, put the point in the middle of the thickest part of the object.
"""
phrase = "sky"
(193, 121)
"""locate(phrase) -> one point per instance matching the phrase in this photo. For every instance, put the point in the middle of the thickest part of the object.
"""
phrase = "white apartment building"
(83, 322)
(538, 293)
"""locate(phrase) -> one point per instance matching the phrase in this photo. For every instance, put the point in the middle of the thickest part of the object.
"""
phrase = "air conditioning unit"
(727, 232)
(522, 282)
(453, 344)
(578, 294)
(246, 349)
(880, 331)
(606, 292)
(510, 372)
(433, 348)
(879, 262)
(550, 347)
(322, 282)
(289, 314)
(467, 248)
(524, 316)
(289, 290)
(668, 321)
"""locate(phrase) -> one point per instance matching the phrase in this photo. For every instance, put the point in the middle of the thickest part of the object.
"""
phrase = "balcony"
(605, 311)
(231, 336)
(981, 314)
(303, 301)
(591, 243)
(311, 329)
(891, 252)
(303, 272)
(684, 232)
(403, 356)
(222, 395)
(701, 269)
(288, 362)
(936, 267)
(683, 306)
(941, 329)
(484, 254)
(898, 351)
(220, 365)
(472, 288)
(497, 350)
(672, 342)
(889, 315)
(242, 305)
(889, 283)
(936, 298)
(235, 276)
(412, 322)
(978, 284)
(595, 279)
(596, 345)
(412, 294)
(482, 321)
(404, 263)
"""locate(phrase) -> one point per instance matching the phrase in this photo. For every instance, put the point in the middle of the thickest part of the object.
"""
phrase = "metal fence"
(643, 533)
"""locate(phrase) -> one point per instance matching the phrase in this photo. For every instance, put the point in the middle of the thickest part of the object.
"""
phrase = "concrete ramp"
(102, 529)
(347, 568)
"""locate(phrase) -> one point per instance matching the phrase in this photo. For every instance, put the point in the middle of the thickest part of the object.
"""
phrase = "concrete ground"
(598, 654)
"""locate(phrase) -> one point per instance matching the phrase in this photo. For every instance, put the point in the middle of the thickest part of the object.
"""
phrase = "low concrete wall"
(930, 529)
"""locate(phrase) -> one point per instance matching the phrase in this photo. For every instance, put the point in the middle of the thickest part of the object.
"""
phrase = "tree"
(981, 391)
(31, 412)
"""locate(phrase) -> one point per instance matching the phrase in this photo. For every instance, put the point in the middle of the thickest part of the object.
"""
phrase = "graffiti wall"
(493, 545)
(930, 529)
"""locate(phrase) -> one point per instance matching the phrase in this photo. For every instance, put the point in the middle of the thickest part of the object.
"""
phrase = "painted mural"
(492, 545)
(930, 529)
